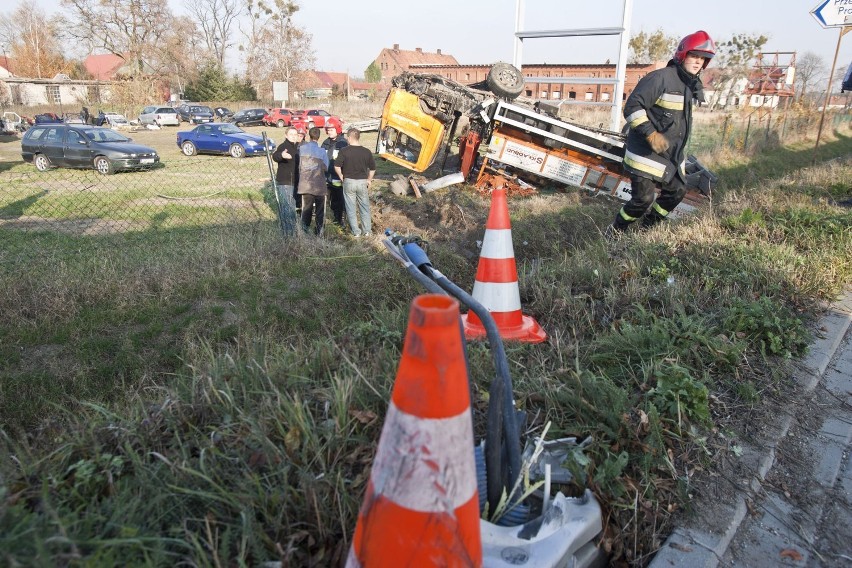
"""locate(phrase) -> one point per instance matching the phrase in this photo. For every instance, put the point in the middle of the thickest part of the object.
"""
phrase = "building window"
(53, 94)
(529, 92)
(604, 96)
(556, 94)
(590, 96)
(467, 76)
(543, 95)
(572, 95)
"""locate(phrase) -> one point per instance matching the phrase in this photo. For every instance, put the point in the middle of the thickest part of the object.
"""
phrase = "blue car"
(221, 138)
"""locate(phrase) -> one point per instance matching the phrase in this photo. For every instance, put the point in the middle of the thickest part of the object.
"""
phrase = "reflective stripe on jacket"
(662, 101)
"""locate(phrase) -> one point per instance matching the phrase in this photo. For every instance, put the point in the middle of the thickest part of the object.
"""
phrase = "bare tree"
(130, 29)
(648, 48)
(182, 53)
(32, 41)
(276, 49)
(216, 19)
(810, 68)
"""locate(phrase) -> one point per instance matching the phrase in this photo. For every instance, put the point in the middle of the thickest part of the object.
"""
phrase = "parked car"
(116, 120)
(195, 114)
(279, 117)
(47, 118)
(316, 117)
(84, 146)
(248, 117)
(12, 123)
(222, 113)
(159, 115)
(221, 138)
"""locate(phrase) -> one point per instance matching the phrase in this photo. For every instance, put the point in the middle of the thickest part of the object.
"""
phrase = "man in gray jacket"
(313, 165)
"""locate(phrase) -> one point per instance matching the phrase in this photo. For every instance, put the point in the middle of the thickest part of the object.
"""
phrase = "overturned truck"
(527, 141)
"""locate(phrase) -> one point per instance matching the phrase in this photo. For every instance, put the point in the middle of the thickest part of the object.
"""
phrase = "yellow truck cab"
(409, 137)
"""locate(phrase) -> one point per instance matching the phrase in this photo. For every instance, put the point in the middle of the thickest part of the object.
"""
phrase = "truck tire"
(505, 81)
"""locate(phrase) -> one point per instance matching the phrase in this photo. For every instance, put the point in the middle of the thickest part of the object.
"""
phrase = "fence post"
(768, 122)
(725, 129)
(748, 127)
(783, 127)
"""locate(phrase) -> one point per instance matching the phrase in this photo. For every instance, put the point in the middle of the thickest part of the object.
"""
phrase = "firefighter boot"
(650, 219)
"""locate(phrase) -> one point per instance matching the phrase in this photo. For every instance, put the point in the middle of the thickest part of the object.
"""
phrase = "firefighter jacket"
(333, 146)
(661, 101)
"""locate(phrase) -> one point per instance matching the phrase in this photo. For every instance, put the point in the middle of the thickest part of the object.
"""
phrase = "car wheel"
(41, 162)
(103, 166)
(504, 80)
(188, 148)
(281, 124)
(310, 125)
(236, 151)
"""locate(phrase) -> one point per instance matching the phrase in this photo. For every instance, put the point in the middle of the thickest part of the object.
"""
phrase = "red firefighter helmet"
(699, 43)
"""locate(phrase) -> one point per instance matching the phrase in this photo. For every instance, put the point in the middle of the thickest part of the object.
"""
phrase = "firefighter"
(659, 114)
(332, 145)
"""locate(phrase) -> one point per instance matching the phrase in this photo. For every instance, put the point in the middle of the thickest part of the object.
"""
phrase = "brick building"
(394, 61)
(467, 74)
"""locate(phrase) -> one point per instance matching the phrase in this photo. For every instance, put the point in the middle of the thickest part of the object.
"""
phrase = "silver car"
(159, 115)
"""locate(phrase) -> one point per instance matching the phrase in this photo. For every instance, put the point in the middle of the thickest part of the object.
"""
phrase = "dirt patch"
(75, 227)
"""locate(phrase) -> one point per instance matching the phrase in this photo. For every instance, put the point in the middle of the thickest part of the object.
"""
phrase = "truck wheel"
(505, 81)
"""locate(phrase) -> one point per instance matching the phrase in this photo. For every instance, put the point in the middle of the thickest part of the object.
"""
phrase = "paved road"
(796, 508)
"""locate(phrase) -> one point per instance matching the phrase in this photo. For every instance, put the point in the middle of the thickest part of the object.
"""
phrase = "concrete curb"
(699, 545)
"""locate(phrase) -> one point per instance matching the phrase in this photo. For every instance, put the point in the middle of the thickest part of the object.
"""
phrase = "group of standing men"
(341, 170)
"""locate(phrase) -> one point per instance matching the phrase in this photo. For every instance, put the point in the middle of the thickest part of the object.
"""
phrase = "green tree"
(648, 48)
(214, 85)
(373, 74)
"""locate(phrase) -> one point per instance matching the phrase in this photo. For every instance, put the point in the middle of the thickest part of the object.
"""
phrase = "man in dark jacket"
(659, 114)
(332, 145)
(287, 156)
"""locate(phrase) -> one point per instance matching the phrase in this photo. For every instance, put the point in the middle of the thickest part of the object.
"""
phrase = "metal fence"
(750, 132)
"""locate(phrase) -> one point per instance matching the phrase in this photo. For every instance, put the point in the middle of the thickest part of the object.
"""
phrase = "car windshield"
(105, 135)
(230, 129)
(199, 109)
(166, 110)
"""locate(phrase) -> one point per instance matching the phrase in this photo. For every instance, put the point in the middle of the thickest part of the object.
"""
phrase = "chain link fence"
(182, 193)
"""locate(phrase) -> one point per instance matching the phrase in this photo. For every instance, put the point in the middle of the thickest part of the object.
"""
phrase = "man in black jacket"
(287, 156)
(333, 144)
(659, 114)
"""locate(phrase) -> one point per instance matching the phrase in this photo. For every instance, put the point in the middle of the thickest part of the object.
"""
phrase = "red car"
(279, 117)
(316, 117)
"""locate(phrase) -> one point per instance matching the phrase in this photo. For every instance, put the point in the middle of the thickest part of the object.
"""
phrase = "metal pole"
(843, 30)
(621, 70)
(748, 127)
(517, 54)
(768, 122)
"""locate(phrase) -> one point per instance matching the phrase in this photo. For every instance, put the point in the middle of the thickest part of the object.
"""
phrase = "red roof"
(103, 67)
(7, 64)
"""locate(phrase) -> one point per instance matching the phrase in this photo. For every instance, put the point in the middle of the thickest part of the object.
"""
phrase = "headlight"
(251, 143)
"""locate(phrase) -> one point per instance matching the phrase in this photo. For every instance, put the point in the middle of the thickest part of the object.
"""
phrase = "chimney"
(396, 47)
(418, 49)
(439, 52)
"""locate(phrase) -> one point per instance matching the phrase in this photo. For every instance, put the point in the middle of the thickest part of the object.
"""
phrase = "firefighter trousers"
(643, 205)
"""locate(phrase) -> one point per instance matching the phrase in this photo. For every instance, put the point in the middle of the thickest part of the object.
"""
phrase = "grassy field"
(212, 395)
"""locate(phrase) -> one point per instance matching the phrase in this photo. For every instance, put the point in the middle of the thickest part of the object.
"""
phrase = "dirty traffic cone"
(421, 506)
(496, 285)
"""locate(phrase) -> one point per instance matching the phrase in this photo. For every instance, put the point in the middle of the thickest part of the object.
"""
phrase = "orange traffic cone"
(496, 285)
(421, 506)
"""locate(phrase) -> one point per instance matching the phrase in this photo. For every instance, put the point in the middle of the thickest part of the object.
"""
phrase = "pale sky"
(349, 34)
